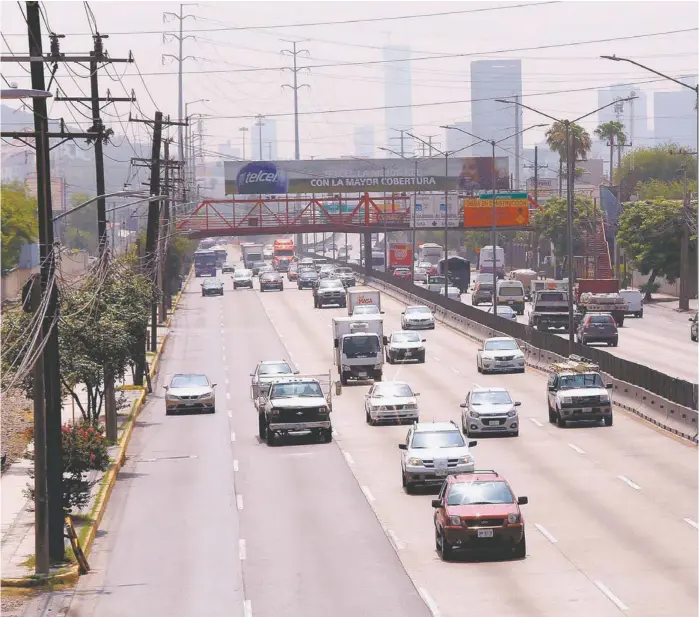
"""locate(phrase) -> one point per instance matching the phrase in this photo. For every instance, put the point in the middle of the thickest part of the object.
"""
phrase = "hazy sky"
(561, 81)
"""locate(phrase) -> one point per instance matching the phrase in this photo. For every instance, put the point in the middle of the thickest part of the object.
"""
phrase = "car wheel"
(261, 426)
(408, 486)
(327, 435)
(464, 428)
(446, 552)
(315, 303)
(271, 439)
(378, 375)
(421, 359)
(560, 421)
(367, 416)
(343, 378)
(478, 368)
(168, 412)
(281, 288)
(552, 415)
(520, 550)
(608, 420)
(514, 433)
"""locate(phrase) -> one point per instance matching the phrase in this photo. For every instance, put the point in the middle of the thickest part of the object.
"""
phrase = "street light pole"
(243, 130)
(570, 170)
(684, 261)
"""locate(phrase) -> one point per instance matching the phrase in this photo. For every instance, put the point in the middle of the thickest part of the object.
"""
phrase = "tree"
(19, 222)
(550, 220)
(665, 163)
(614, 133)
(657, 189)
(556, 140)
(80, 230)
(649, 231)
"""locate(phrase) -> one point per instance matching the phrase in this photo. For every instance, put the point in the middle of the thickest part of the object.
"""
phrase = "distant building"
(269, 141)
(398, 97)
(364, 141)
(456, 140)
(674, 116)
(229, 151)
(490, 80)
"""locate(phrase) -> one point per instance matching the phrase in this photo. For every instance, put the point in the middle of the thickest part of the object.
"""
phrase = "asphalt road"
(611, 524)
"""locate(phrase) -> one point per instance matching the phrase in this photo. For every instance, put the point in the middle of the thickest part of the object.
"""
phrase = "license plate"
(493, 423)
(504, 364)
(408, 353)
(362, 374)
(485, 533)
(587, 410)
(440, 473)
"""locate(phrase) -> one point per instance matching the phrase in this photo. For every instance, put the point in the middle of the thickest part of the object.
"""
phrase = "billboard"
(430, 210)
(465, 174)
(511, 210)
(400, 254)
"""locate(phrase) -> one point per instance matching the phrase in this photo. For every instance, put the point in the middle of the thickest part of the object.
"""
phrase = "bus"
(431, 253)
(204, 263)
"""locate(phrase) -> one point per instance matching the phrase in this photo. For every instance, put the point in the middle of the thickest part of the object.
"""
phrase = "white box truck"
(362, 296)
(358, 348)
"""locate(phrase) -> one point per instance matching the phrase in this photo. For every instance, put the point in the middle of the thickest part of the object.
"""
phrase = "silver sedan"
(189, 392)
(490, 410)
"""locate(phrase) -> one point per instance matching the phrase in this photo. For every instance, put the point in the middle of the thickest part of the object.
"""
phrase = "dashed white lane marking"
(454, 370)
(247, 608)
(239, 501)
(607, 592)
(335, 434)
(397, 544)
(235, 465)
(436, 359)
(572, 446)
(230, 413)
(367, 493)
(544, 532)
(431, 604)
(223, 358)
(689, 521)
(633, 485)
(242, 550)
(281, 336)
(227, 381)
(535, 421)
(349, 459)
(477, 385)
(228, 395)
(232, 437)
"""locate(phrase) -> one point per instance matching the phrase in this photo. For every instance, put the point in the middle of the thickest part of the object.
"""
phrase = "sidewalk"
(17, 513)
(671, 302)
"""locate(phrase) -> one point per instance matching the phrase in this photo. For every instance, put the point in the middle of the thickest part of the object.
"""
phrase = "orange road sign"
(509, 212)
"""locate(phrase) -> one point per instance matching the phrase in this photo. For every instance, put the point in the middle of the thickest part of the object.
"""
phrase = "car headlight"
(455, 520)
(275, 411)
(322, 410)
(345, 368)
(512, 413)
(420, 349)
(512, 518)
(410, 406)
(567, 400)
(474, 414)
(379, 408)
(415, 462)
(466, 460)
(172, 397)
(604, 398)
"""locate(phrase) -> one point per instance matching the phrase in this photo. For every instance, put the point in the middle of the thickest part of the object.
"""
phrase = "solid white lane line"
(281, 336)
(454, 370)
(607, 592)
(574, 447)
(633, 485)
(431, 604)
(349, 459)
(247, 608)
(544, 532)
(689, 521)
(397, 544)
(235, 465)
(232, 437)
(535, 421)
(239, 501)
(367, 493)
(475, 385)
(242, 550)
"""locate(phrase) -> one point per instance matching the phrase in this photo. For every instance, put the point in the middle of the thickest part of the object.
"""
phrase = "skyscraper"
(398, 96)
(269, 140)
(674, 116)
(490, 80)
(364, 141)
(455, 140)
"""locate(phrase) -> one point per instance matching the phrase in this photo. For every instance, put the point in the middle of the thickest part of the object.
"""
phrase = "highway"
(205, 520)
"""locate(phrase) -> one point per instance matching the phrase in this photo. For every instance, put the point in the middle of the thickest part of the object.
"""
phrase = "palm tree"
(614, 133)
(556, 140)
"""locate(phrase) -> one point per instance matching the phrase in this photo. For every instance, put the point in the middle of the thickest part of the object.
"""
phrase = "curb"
(107, 483)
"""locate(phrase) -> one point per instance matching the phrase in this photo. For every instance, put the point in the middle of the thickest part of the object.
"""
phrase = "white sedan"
(391, 401)
(500, 354)
(454, 293)
(417, 317)
(405, 346)
(504, 311)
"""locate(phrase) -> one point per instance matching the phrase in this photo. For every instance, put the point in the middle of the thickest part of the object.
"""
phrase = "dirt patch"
(16, 418)
(14, 601)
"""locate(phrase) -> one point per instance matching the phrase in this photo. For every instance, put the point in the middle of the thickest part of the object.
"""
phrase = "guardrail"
(658, 398)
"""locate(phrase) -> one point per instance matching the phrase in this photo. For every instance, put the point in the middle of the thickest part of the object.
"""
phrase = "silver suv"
(432, 451)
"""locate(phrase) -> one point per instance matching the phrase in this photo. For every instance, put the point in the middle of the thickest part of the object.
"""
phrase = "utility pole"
(258, 123)
(534, 236)
(165, 232)
(684, 248)
(402, 140)
(296, 87)
(518, 150)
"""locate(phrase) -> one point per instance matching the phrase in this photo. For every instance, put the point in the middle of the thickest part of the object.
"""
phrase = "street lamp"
(494, 230)
(243, 130)
(14, 94)
(188, 128)
(446, 156)
(684, 246)
(570, 170)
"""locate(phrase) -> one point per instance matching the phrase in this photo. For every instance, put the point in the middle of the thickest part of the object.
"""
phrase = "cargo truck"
(283, 254)
(361, 296)
(400, 255)
(358, 348)
(252, 253)
(601, 296)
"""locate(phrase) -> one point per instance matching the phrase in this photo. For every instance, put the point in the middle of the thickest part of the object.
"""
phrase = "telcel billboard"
(367, 175)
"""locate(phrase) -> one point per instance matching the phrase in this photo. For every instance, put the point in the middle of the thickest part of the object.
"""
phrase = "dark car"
(482, 293)
(307, 279)
(403, 273)
(598, 328)
(347, 276)
(256, 265)
(479, 511)
(329, 291)
(212, 287)
(271, 280)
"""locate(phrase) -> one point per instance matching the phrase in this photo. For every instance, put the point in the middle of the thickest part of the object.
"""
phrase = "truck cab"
(549, 310)
(577, 393)
(358, 348)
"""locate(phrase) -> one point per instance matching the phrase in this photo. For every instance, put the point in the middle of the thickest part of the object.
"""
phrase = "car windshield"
(601, 319)
(276, 368)
(309, 274)
(367, 309)
(330, 284)
(405, 337)
(189, 381)
(485, 287)
(417, 310)
(258, 264)
(502, 310)
(212, 283)
(551, 296)
(497, 397)
(302, 389)
(437, 439)
(270, 275)
(242, 274)
(361, 346)
(505, 345)
(581, 380)
(343, 270)
(392, 389)
(472, 493)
